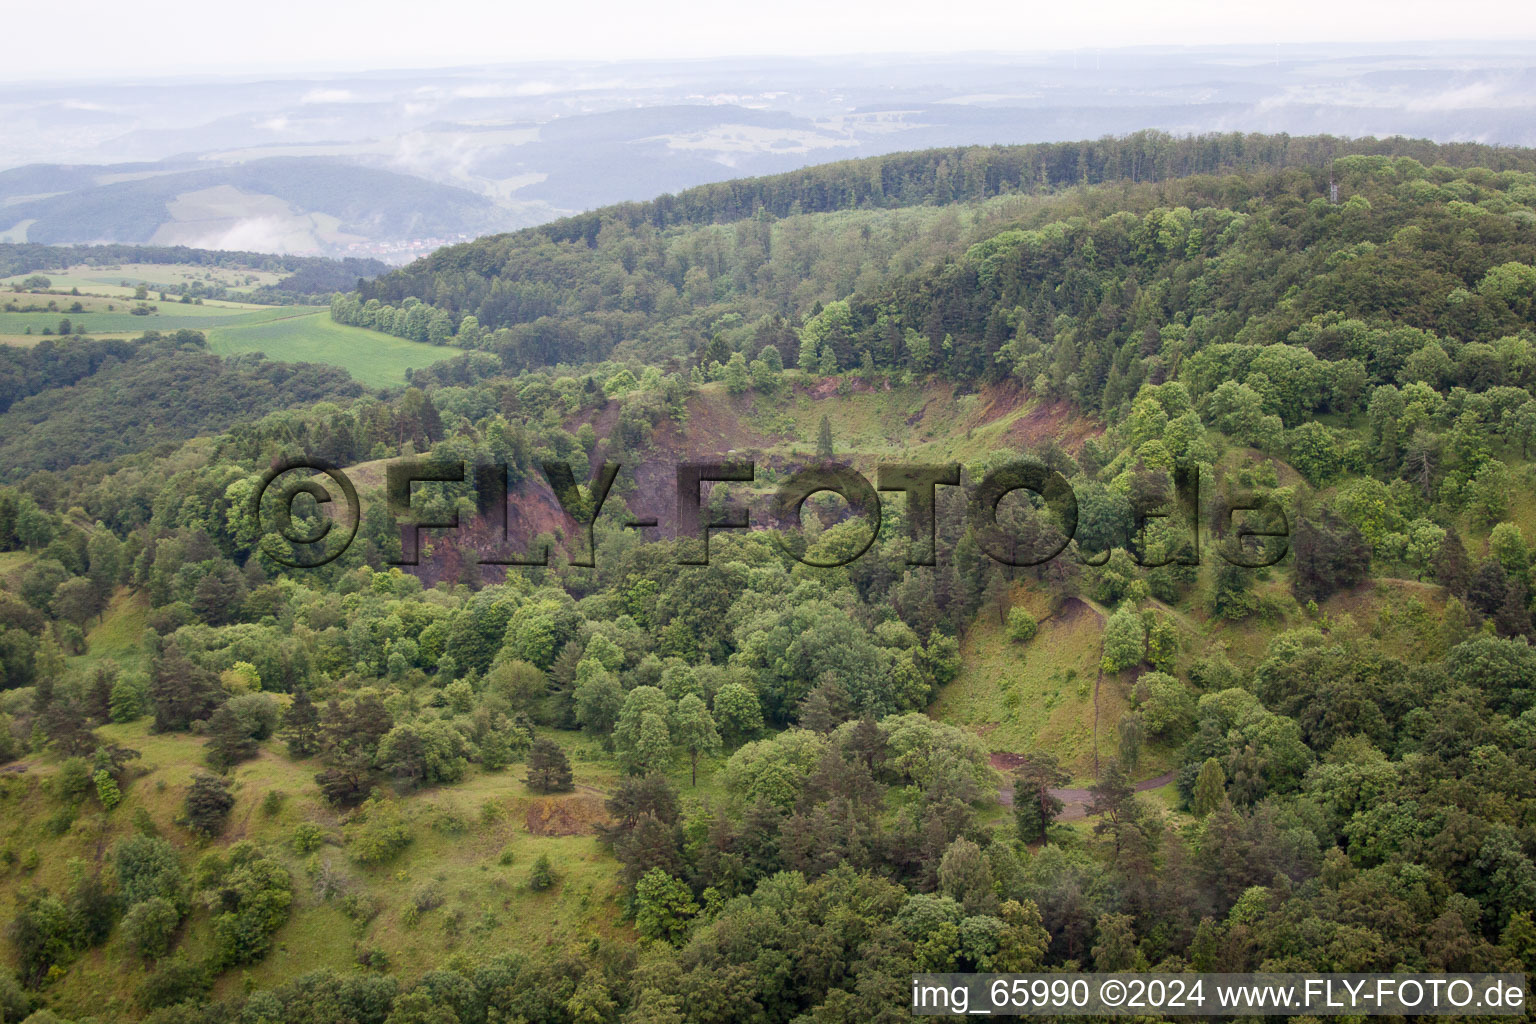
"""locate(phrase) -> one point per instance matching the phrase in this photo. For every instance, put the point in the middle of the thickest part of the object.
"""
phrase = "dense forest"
(646, 791)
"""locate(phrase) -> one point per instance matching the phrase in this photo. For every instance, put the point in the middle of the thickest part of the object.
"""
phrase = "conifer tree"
(301, 725)
(228, 741)
(1210, 787)
(549, 771)
(1034, 805)
(824, 439)
(208, 803)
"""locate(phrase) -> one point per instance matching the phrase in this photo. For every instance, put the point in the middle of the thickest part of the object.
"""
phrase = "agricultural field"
(122, 279)
(167, 316)
(307, 334)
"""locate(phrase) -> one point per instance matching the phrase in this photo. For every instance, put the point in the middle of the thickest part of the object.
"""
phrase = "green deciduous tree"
(663, 907)
(695, 731)
(1125, 640)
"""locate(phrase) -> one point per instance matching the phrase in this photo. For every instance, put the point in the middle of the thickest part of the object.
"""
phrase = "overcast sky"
(158, 38)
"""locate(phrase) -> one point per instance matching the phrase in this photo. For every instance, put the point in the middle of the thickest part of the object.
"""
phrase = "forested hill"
(970, 173)
(646, 789)
(1129, 277)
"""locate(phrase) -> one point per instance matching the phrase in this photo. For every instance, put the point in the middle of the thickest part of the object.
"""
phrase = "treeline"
(306, 275)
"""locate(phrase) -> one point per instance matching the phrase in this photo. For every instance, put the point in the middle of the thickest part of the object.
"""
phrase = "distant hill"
(275, 205)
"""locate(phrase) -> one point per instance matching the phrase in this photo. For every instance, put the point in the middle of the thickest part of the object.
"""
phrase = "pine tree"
(346, 781)
(1210, 787)
(180, 691)
(301, 725)
(827, 364)
(1034, 805)
(549, 771)
(867, 743)
(99, 691)
(228, 741)
(824, 439)
(1113, 799)
(542, 876)
(825, 707)
(208, 803)
(49, 670)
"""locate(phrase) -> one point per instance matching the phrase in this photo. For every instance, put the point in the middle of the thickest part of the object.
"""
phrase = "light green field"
(308, 334)
(108, 279)
(169, 316)
(1022, 697)
(923, 420)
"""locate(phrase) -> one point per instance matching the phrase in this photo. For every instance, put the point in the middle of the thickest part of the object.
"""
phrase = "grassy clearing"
(1021, 697)
(13, 562)
(927, 420)
(474, 845)
(308, 334)
(119, 634)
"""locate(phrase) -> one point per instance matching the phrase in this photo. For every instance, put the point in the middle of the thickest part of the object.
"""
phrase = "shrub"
(128, 697)
(542, 876)
(1125, 640)
(428, 896)
(1022, 626)
(74, 779)
(61, 820)
(1167, 706)
(380, 835)
(307, 837)
(177, 981)
(147, 867)
(106, 789)
(373, 959)
(149, 926)
(250, 900)
(663, 907)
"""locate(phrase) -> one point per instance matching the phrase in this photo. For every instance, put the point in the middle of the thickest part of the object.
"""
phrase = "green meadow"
(308, 334)
(169, 316)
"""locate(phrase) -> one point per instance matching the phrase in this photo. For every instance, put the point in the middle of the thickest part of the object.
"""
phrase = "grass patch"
(308, 334)
(119, 634)
(1039, 695)
(13, 562)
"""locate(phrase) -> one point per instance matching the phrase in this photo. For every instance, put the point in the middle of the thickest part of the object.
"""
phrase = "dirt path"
(1074, 799)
